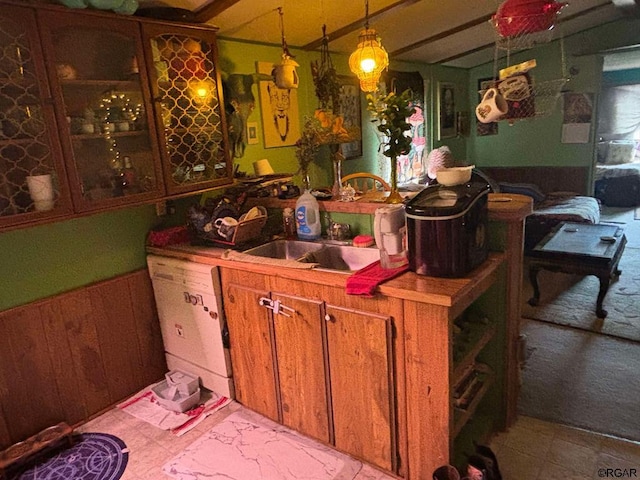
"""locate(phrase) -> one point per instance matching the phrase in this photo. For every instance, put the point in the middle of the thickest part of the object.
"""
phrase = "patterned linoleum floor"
(531, 450)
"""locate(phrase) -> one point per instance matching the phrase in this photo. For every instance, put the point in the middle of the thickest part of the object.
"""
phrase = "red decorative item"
(518, 17)
(189, 65)
(168, 236)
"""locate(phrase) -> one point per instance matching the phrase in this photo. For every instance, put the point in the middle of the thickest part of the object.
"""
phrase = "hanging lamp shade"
(369, 60)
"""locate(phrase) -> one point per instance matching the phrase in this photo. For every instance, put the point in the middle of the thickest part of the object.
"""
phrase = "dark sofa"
(560, 194)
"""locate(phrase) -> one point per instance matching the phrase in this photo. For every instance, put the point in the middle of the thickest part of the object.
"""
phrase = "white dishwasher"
(189, 302)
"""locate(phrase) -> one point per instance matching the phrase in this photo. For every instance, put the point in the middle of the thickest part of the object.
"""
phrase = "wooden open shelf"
(462, 416)
(470, 356)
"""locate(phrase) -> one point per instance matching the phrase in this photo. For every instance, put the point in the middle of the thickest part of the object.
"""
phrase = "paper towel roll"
(263, 167)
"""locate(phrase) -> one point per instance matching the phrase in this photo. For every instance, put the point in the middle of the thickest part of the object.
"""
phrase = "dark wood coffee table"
(579, 248)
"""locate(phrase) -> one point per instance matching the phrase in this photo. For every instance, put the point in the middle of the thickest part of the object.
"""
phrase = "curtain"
(619, 115)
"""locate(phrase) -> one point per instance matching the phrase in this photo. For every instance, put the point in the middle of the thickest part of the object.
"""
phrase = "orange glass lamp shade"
(369, 60)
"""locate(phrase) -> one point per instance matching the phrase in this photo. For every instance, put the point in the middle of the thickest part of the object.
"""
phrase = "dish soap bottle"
(308, 217)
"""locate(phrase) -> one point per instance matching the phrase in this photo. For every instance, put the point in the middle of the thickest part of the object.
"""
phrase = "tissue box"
(178, 392)
(184, 381)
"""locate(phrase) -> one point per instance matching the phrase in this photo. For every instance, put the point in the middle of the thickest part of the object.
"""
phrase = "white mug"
(492, 107)
(225, 226)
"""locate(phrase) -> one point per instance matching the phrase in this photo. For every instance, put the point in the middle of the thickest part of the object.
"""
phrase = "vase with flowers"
(324, 128)
(327, 127)
(307, 148)
(391, 112)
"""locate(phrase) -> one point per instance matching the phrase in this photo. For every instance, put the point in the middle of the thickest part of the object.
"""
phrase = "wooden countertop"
(448, 292)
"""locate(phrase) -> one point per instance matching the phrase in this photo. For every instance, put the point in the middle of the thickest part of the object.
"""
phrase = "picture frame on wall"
(279, 110)
(446, 110)
(484, 129)
(351, 110)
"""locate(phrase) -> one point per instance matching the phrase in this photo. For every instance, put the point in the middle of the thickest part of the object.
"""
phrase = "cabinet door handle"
(327, 317)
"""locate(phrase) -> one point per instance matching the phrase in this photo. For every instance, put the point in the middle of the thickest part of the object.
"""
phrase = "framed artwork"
(279, 110)
(484, 129)
(351, 111)
(252, 133)
(577, 107)
(446, 110)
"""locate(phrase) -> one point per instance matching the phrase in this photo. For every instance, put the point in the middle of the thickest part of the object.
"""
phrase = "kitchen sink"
(344, 258)
(285, 249)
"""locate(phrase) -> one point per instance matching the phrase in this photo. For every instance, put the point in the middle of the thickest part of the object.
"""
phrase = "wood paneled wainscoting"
(68, 357)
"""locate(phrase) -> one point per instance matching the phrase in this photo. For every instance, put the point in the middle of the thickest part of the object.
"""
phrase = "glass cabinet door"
(103, 107)
(189, 106)
(32, 176)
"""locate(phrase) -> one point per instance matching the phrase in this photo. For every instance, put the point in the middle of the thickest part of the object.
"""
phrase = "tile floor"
(531, 450)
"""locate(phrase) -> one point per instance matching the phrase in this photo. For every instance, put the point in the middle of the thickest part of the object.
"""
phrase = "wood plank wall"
(68, 357)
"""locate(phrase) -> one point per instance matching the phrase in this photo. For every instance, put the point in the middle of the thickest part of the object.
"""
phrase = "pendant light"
(284, 74)
(370, 58)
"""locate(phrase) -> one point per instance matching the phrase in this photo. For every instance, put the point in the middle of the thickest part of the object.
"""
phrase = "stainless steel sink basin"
(343, 258)
(285, 249)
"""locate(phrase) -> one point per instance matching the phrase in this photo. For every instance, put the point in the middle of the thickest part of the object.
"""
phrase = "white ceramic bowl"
(454, 176)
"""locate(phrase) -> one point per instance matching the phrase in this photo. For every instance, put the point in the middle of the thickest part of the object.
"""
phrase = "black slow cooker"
(447, 228)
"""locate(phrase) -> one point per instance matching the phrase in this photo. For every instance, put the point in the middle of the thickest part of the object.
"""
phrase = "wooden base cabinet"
(362, 391)
(326, 366)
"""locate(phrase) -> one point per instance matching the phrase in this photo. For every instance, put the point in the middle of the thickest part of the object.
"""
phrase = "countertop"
(447, 292)
(409, 286)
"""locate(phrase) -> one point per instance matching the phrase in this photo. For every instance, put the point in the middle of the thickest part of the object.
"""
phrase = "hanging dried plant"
(325, 78)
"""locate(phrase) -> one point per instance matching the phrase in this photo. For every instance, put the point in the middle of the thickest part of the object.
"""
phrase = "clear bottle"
(130, 178)
(308, 217)
(289, 224)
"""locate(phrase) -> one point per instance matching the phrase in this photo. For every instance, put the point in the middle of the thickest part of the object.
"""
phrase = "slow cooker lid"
(443, 201)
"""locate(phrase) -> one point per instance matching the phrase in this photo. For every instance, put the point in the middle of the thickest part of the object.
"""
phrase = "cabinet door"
(251, 341)
(362, 392)
(103, 108)
(33, 182)
(299, 334)
(189, 107)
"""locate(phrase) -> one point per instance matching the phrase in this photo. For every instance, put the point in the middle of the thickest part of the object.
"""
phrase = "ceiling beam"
(358, 24)
(212, 9)
(561, 19)
(441, 35)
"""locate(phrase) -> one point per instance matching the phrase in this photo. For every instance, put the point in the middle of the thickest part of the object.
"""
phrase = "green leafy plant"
(391, 112)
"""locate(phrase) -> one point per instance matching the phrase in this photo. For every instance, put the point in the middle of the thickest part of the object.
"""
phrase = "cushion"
(528, 189)
(620, 152)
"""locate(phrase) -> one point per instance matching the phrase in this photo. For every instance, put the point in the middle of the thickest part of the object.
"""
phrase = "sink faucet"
(336, 230)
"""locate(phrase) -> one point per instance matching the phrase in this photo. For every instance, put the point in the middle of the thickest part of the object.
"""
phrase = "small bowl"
(454, 176)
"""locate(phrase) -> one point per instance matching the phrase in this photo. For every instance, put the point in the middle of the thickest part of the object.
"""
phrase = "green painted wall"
(536, 141)
(240, 57)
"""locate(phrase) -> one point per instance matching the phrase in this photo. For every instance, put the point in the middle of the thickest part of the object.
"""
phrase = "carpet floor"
(570, 300)
(582, 379)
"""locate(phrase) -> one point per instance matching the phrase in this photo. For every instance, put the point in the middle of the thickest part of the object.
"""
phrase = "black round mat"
(93, 456)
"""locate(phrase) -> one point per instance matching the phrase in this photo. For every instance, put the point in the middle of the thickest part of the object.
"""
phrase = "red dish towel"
(365, 281)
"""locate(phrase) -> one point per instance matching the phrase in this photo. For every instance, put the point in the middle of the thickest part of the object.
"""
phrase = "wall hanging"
(529, 92)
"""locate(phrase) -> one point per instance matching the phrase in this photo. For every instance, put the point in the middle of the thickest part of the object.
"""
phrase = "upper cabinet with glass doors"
(100, 110)
(187, 92)
(33, 184)
(104, 108)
